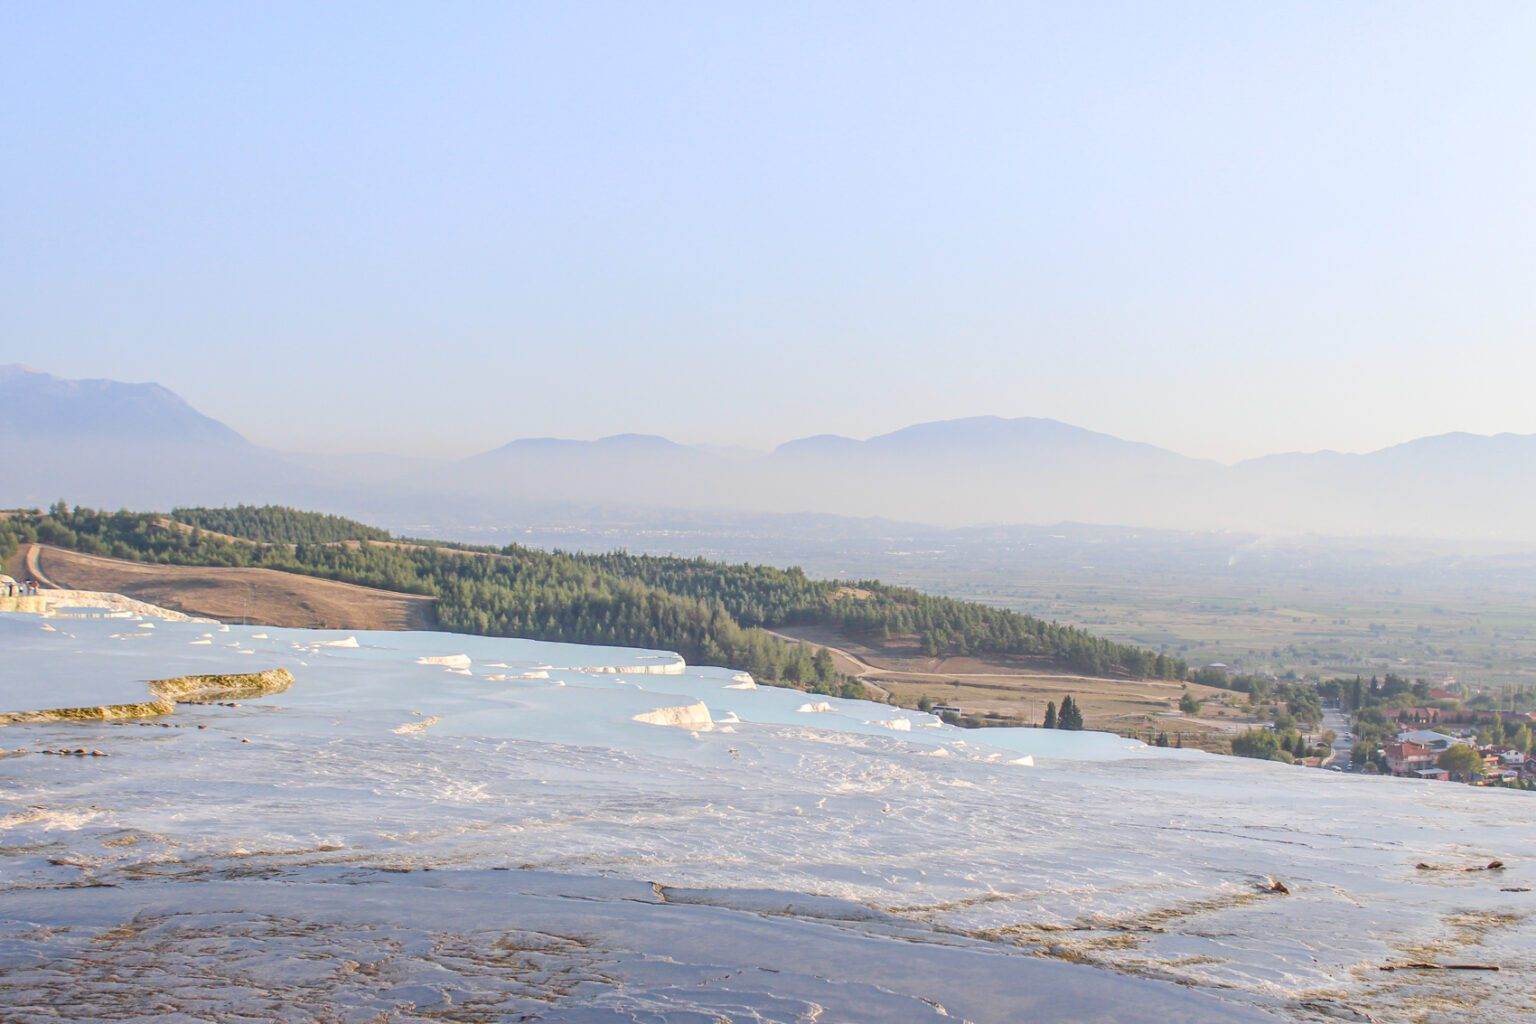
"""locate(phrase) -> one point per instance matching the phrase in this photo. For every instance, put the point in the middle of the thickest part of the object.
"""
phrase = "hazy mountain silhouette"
(987, 437)
(40, 406)
(113, 444)
(1457, 484)
(109, 443)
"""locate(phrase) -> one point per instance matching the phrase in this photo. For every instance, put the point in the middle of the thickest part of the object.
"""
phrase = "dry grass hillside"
(265, 596)
(1014, 691)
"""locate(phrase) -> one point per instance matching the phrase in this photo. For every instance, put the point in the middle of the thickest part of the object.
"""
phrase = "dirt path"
(1131, 707)
(856, 666)
(847, 662)
(984, 680)
(35, 569)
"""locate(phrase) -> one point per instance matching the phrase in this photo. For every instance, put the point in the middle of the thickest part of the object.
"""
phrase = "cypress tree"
(1050, 714)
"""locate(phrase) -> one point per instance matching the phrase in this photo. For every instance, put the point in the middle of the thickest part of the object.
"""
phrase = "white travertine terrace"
(587, 865)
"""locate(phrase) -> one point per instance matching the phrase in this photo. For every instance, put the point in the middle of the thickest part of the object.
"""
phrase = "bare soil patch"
(1017, 690)
(264, 596)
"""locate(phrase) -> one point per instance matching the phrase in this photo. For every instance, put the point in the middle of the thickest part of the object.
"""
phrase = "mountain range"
(111, 444)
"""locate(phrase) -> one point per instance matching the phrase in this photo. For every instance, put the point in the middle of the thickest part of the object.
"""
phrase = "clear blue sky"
(1229, 228)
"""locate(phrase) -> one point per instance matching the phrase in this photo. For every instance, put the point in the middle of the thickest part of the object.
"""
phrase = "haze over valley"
(113, 443)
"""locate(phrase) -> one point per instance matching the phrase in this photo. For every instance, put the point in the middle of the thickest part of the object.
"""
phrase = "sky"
(1226, 228)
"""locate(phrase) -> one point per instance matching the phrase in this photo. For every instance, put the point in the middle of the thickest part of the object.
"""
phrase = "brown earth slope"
(1017, 691)
(263, 596)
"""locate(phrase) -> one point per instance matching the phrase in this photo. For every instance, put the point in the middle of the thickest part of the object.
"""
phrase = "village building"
(1417, 716)
(1418, 751)
(1407, 758)
(1435, 741)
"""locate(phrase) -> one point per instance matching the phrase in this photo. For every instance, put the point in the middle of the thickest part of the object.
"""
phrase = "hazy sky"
(1227, 228)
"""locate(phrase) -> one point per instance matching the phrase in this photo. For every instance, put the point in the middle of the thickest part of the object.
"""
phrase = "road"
(1338, 721)
(35, 571)
(861, 668)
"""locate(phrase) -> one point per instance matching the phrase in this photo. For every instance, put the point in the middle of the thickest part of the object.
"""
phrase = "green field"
(1313, 631)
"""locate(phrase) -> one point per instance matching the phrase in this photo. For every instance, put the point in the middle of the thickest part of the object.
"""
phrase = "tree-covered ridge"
(276, 524)
(709, 612)
(536, 594)
(759, 595)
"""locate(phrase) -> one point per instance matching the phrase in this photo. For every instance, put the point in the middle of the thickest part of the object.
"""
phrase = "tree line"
(535, 594)
(758, 595)
(277, 524)
(709, 612)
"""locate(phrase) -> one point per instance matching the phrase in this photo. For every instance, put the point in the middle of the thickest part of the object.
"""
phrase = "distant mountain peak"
(638, 441)
(611, 444)
(983, 438)
(39, 406)
(818, 444)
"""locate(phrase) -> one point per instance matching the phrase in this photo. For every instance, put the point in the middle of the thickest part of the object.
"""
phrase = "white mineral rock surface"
(449, 660)
(691, 716)
(271, 860)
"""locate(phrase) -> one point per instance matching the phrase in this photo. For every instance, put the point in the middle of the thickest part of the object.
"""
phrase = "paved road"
(1338, 721)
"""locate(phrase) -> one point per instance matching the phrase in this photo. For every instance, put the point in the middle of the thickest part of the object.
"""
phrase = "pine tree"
(1050, 714)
